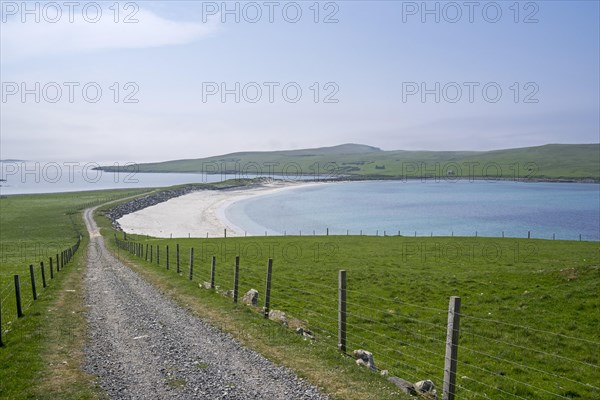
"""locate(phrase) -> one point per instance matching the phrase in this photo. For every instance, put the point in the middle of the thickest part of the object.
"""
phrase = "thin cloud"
(30, 39)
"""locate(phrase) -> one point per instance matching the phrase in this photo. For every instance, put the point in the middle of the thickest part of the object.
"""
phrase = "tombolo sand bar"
(196, 214)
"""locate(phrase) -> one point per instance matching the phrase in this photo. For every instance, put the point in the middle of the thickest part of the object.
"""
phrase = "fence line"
(529, 234)
(8, 315)
(408, 343)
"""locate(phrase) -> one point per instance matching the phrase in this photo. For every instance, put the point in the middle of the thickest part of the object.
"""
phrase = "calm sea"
(460, 208)
(24, 177)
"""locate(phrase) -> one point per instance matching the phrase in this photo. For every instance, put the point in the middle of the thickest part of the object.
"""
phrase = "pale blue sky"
(373, 54)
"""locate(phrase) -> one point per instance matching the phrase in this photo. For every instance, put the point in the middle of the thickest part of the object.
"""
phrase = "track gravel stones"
(144, 346)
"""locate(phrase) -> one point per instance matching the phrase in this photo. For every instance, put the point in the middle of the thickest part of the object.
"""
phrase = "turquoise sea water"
(462, 208)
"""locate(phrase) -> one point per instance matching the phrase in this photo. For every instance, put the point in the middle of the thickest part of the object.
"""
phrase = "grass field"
(553, 161)
(529, 320)
(530, 308)
(36, 227)
(43, 350)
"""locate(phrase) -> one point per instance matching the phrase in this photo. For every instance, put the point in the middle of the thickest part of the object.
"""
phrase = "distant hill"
(548, 162)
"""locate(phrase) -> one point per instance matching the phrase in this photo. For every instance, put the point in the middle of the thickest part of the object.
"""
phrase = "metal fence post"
(32, 275)
(43, 274)
(167, 250)
(18, 296)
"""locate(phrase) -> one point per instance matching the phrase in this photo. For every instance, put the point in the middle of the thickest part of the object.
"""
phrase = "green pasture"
(530, 308)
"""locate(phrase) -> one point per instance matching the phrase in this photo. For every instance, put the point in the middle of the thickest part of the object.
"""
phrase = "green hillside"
(552, 161)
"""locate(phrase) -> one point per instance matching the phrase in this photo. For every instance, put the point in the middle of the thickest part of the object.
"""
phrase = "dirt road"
(144, 346)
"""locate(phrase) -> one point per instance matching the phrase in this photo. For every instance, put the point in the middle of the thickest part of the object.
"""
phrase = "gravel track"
(144, 346)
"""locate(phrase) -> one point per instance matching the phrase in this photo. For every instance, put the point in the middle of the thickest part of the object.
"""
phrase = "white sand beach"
(197, 214)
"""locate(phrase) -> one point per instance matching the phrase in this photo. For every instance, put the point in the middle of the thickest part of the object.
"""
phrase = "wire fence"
(492, 359)
(18, 296)
(525, 234)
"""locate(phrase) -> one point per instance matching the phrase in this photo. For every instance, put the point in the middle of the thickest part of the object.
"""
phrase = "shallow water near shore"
(460, 208)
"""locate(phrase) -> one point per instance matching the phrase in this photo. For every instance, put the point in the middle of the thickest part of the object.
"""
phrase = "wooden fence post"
(177, 256)
(151, 252)
(146, 251)
(18, 296)
(32, 275)
(167, 250)
(528, 234)
(43, 274)
(236, 278)
(213, 267)
(57, 263)
(342, 311)
(268, 288)
(51, 268)
(191, 263)
(157, 254)
(451, 348)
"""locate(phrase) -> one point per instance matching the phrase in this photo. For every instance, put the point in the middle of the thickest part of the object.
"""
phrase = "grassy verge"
(43, 355)
(529, 316)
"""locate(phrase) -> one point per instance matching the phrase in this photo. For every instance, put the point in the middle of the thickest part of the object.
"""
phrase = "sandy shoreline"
(197, 214)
